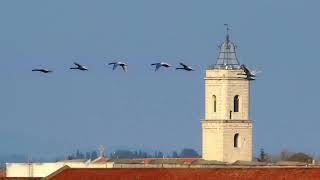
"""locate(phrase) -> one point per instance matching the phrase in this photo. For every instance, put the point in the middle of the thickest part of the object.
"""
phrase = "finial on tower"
(227, 58)
(227, 32)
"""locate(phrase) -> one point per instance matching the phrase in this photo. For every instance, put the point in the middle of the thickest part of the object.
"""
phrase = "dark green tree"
(160, 154)
(187, 153)
(122, 154)
(263, 156)
(94, 155)
(300, 157)
(88, 156)
(174, 154)
(135, 154)
(70, 157)
(77, 156)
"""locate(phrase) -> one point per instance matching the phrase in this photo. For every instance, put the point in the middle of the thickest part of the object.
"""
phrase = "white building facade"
(45, 169)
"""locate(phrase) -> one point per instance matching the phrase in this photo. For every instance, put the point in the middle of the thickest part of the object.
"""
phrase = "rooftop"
(166, 160)
(183, 174)
(100, 159)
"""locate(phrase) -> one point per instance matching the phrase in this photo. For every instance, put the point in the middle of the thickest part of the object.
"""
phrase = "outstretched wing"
(184, 65)
(158, 66)
(125, 68)
(255, 72)
(43, 70)
(246, 70)
(77, 64)
(115, 66)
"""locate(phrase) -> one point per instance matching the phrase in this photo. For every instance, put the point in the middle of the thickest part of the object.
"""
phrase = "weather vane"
(227, 36)
(227, 28)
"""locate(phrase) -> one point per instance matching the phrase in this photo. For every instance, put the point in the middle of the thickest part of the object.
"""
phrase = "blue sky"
(67, 110)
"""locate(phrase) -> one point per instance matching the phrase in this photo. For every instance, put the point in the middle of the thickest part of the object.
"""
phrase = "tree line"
(129, 154)
(285, 155)
(82, 155)
(263, 156)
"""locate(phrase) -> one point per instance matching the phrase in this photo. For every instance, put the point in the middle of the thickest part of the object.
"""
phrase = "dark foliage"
(263, 157)
(300, 157)
(188, 153)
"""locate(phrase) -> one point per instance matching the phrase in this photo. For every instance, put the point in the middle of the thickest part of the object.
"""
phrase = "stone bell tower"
(227, 127)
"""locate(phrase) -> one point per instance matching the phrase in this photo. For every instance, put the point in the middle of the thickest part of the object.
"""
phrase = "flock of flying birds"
(124, 67)
(249, 75)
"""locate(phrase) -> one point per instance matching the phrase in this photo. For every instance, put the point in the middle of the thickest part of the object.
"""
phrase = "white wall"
(45, 169)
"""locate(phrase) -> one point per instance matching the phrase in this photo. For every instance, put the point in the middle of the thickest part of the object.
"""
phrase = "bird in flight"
(185, 67)
(158, 65)
(79, 66)
(250, 75)
(116, 64)
(43, 70)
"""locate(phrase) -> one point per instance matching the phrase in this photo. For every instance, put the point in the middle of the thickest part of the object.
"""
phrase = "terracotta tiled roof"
(18, 178)
(100, 159)
(2, 174)
(189, 174)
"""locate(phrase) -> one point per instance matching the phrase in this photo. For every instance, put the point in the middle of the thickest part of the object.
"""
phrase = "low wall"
(45, 169)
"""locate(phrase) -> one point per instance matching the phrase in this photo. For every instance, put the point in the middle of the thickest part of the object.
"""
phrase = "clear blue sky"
(67, 110)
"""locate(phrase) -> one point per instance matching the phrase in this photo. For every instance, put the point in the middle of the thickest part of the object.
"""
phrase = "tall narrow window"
(236, 140)
(236, 103)
(214, 99)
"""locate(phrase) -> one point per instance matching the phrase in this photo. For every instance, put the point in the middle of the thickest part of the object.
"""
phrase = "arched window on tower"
(236, 103)
(214, 99)
(236, 140)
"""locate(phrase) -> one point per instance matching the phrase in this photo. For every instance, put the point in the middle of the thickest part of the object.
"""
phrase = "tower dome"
(227, 58)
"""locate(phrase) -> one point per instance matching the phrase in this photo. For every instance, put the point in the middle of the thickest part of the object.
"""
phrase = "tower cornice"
(226, 121)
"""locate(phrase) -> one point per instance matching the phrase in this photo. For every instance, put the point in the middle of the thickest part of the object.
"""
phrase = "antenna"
(101, 150)
(30, 168)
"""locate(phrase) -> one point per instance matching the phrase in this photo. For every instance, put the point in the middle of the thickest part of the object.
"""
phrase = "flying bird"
(185, 67)
(158, 65)
(250, 75)
(79, 66)
(43, 70)
(116, 64)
